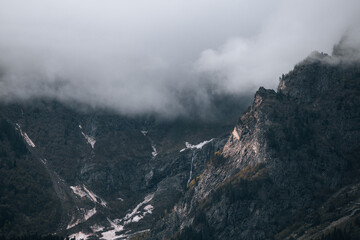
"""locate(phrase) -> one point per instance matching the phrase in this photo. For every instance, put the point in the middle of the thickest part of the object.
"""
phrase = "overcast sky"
(142, 56)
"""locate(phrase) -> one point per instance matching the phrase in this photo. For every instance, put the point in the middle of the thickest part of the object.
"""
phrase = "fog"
(158, 56)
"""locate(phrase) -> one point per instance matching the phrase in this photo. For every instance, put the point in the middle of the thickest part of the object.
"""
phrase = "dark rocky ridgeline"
(289, 170)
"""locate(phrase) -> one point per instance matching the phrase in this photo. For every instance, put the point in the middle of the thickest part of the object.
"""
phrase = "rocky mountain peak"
(315, 76)
(288, 160)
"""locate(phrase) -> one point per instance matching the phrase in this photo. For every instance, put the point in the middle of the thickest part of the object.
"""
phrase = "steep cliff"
(290, 168)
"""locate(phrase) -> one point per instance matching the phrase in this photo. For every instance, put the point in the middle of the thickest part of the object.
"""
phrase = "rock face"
(290, 168)
(101, 175)
(22, 176)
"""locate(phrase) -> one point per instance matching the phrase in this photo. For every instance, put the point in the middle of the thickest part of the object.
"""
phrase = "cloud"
(156, 56)
(294, 30)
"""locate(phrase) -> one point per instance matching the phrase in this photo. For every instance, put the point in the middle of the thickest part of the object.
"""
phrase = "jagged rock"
(287, 156)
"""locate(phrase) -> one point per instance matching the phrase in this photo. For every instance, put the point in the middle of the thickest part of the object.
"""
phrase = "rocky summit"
(289, 168)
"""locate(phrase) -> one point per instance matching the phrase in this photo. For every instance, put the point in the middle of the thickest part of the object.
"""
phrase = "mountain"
(287, 169)
(95, 172)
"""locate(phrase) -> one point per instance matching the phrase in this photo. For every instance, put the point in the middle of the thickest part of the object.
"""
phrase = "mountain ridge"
(287, 169)
(288, 153)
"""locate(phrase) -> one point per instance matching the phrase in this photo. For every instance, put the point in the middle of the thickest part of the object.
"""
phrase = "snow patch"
(86, 216)
(154, 152)
(134, 216)
(80, 126)
(94, 197)
(89, 214)
(97, 228)
(28, 140)
(149, 208)
(120, 199)
(25, 136)
(83, 191)
(111, 234)
(80, 235)
(91, 195)
(73, 223)
(128, 217)
(91, 140)
(197, 146)
(144, 132)
(137, 218)
(78, 191)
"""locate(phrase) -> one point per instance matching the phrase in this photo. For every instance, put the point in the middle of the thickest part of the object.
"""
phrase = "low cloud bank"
(163, 57)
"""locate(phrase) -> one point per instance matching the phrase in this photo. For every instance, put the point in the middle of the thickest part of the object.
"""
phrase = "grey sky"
(138, 56)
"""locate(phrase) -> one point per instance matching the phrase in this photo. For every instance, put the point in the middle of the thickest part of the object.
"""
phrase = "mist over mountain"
(181, 120)
(288, 168)
(159, 57)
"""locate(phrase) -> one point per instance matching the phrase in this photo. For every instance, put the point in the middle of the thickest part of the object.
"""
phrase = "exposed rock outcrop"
(292, 157)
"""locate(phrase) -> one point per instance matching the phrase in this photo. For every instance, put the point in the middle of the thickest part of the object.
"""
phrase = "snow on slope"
(25, 136)
(111, 234)
(97, 228)
(87, 214)
(78, 191)
(91, 140)
(83, 191)
(198, 146)
(154, 152)
(135, 215)
(80, 235)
